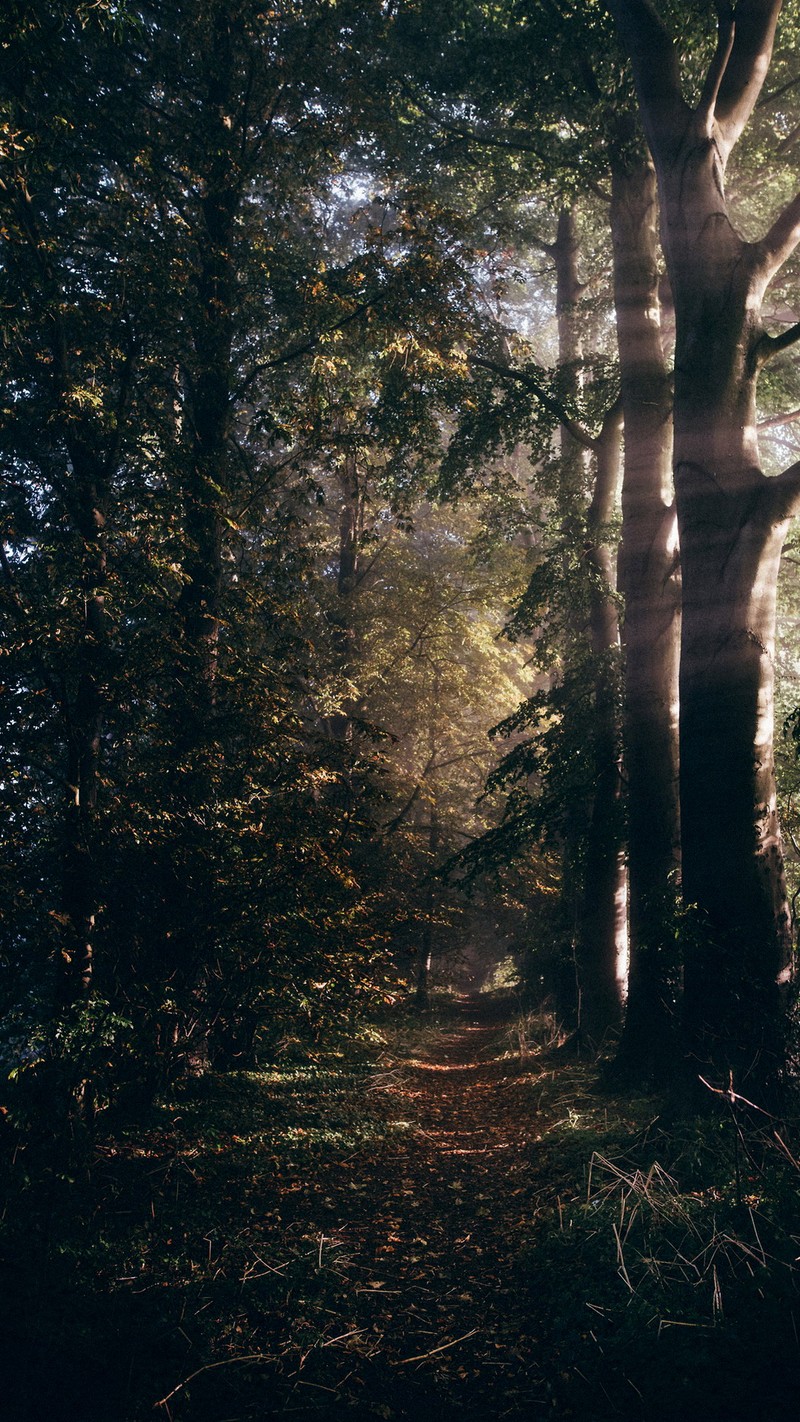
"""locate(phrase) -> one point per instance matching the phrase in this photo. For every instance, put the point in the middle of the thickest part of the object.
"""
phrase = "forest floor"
(459, 1224)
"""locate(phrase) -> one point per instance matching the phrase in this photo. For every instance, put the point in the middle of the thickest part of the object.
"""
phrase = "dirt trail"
(316, 1240)
(412, 1242)
(448, 1195)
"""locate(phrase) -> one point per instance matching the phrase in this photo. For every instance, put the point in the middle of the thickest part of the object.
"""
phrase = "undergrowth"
(443, 1219)
(670, 1285)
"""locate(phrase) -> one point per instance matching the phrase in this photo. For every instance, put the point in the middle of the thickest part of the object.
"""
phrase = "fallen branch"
(223, 1363)
(733, 1096)
(420, 1357)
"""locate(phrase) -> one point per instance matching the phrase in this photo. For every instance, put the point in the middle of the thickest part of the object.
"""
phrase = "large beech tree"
(732, 523)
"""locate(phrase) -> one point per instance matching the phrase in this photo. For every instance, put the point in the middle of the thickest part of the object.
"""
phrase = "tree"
(72, 258)
(732, 522)
(648, 566)
(518, 129)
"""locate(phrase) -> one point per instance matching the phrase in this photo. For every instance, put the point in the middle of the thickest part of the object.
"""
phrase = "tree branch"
(777, 245)
(769, 346)
(518, 143)
(549, 248)
(393, 824)
(787, 143)
(655, 69)
(599, 190)
(606, 482)
(305, 347)
(553, 407)
(766, 99)
(746, 70)
(8, 579)
(786, 492)
(726, 34)
(772, 422)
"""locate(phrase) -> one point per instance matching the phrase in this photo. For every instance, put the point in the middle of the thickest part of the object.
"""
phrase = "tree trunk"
(651, 627)
(603, 942)
(426, 943)
(349, 527)
(732, 523)
(738, 956)
(593, 892)
(208, 378)
(85, 714)
(732, 528)
(206, 478)
(343, 629)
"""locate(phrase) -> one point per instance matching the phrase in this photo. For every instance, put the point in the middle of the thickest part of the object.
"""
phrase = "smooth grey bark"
(732, 524)
(593, 894)
(571, 485)
(603, 941)
(648, 577)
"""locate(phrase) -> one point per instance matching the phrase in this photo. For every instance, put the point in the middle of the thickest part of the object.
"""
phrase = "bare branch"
(599, 189)
(766, 99)
(553, 407)
(778, 244)
(726, 33)
(769, 346)
(772, 422)
(785, 492)
(607, 477)
(746, 70)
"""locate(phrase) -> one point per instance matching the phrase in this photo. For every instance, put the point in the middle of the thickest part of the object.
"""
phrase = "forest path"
(323, 1238)
(400, 1232)
(458, 1182)
(445, 1195)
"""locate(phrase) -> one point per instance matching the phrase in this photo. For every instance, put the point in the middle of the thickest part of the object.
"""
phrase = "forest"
(399, 710)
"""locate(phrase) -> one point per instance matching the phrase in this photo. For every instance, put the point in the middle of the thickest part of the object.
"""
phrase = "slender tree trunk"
(426, 943)
(343, 629)
(92, 454)
(349, 527)
(603, 943)
(571, 495)
(651, 629)
(594, 895)
(85, 712)
(206, 478)
(208, 378)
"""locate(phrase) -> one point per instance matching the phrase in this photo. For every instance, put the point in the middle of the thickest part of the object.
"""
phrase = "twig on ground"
(420, 1357)
(207, 1367)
